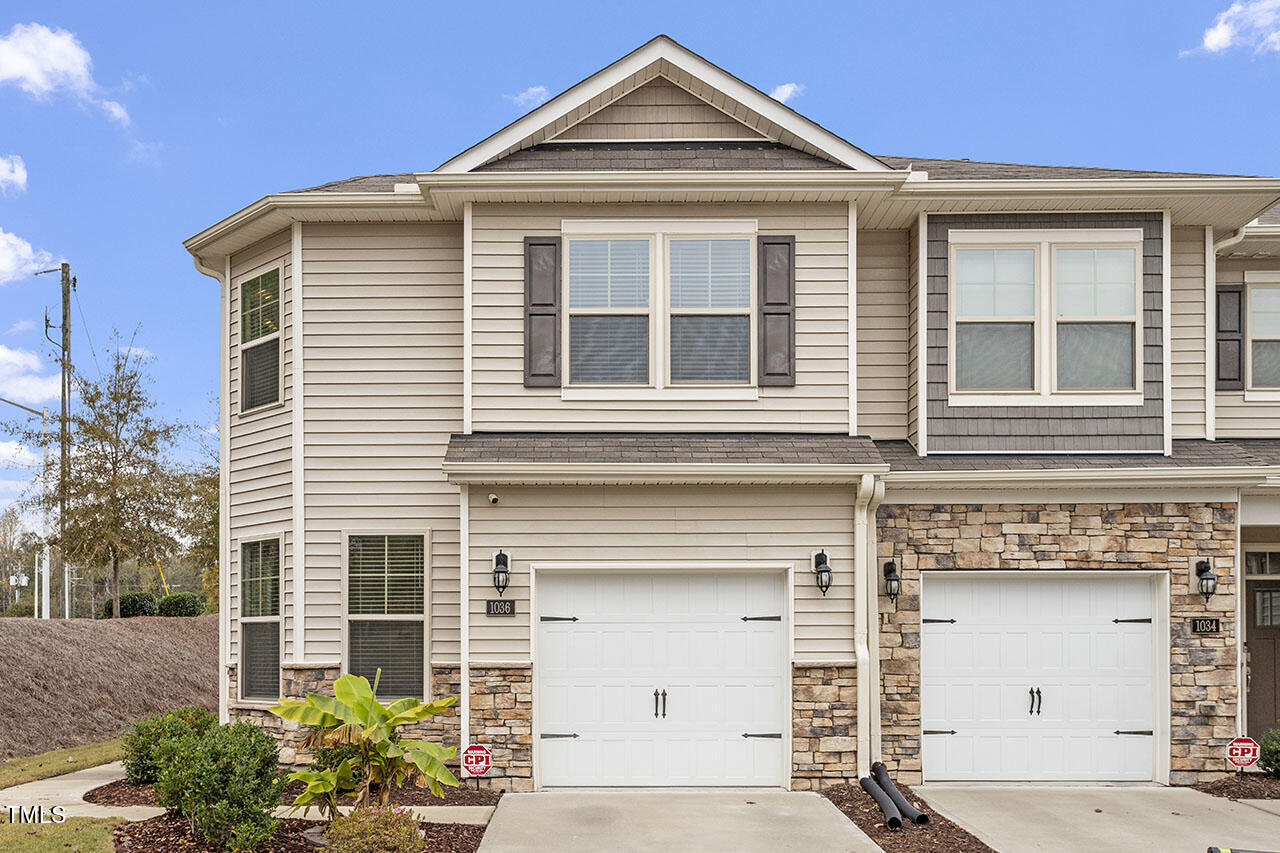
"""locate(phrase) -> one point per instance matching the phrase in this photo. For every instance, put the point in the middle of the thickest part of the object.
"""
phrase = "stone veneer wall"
(298, 681)
(1172, 536)
(502, 719)
(824, 728)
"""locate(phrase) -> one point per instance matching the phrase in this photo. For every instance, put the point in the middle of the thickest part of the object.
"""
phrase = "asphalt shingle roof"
(977, 170)
(1270, 217)
(657, 156)
(901, 456)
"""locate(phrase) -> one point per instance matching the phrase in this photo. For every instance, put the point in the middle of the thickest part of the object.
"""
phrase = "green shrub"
(131, 604)
(144, 737)
(226, 781)
(19, 609)
(375, 830)
(181, 604)
(329, 757)
(1269, 755)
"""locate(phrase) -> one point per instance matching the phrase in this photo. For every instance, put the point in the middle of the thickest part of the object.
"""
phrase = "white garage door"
(654, 679)
(1038, 678)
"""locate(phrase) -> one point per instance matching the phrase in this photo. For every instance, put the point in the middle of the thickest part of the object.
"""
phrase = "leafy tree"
(199, 527)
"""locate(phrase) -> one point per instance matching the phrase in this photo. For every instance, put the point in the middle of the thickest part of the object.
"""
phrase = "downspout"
(1229, 241)
(464, 623)
(860, 651)
(873, 623)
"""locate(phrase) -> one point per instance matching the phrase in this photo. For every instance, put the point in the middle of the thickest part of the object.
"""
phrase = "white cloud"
(21, 326)
(137, 352)
(530, 97)
(786, 91)
(16, 454)
(13, 172)
(116, 112)
(21, 379)
(18, 259)
(42, 62)
(1250, 23)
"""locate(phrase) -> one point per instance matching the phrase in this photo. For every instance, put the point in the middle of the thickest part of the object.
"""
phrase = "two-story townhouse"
(689, 444)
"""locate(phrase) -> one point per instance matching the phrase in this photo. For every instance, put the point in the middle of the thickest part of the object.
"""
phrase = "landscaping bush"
(131, 604)
(226, 781)
(19, 609)
(375, 830)
(145, 736)
(180, 604)
(1269, 754)
(329, 757)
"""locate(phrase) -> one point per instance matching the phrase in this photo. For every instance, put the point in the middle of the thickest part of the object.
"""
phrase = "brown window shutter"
(777, 271)
(1231, 337)
(542, 312)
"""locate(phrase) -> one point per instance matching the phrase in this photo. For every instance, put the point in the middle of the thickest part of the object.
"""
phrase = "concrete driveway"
(1015, 819)
(742, 821)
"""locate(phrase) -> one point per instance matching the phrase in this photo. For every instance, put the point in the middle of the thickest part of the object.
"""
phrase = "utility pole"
(37, 597)
(64, 424)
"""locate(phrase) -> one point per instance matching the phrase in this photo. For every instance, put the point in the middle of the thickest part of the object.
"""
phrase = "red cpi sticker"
(1242, 751)
(477, 761)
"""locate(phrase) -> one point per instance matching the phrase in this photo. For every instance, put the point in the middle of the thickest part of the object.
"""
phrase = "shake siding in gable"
(383, 346)
(1187, 330)
(818, 402)
(659, 110)
(882, 334)
(261, 446)
(1235, 417)
(685, 525)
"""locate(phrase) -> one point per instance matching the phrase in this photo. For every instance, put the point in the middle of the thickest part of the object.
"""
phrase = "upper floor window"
(1045, 317)
(386, 612)
(1264, 336)
(260, 619)
(260, 341)
(660, 304)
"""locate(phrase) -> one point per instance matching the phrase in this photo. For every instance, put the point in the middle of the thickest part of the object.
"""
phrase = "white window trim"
(1253, 282)
(658, 233)
(242, 345)
(424, 617)
(1044, 336)
(241, 700)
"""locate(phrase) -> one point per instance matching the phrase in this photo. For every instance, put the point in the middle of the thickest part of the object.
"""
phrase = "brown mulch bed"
(122, 793)
(167, 834)
(939, 835)
(1250, 786)
(412, 795)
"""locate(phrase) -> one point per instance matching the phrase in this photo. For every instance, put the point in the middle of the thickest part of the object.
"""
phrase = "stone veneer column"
(1026, 537)
(824, 727)
(502, 719)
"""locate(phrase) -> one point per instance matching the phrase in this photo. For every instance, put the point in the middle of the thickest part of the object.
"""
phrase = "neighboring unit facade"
(689, 444)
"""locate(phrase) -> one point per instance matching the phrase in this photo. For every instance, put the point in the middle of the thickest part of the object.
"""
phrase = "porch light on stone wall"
(501, 571)
(1205, 580)
(892, 582)
(822, 571)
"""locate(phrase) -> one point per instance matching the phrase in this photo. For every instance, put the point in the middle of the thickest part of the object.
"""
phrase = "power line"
(93, 351)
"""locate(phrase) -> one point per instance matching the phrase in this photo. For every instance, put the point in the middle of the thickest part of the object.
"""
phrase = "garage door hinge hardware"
(1135, 732)
(931, 621)
(1118, 621)
(558, 618)
(939, 731)
(774, 735)
(761, 618)
(546, 736)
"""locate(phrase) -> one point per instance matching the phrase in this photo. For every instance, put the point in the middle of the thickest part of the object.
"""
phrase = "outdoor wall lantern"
(892, 582)
(822, 571)
(501, 571)
(1207, 582)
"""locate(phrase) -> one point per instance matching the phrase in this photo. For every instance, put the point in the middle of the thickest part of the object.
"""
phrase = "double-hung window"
(386, 611)
(1045, 317)
(1263, 326)
(260, 619)
(660, 304)
(260, 341)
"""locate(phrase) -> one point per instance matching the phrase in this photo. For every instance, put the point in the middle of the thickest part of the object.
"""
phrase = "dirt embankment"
(66, 683)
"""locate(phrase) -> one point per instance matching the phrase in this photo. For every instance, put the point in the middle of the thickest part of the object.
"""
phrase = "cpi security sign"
(476, 760)
(1242, 751)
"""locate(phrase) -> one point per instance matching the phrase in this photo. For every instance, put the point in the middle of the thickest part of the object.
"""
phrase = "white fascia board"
(549, 473)
(656, 50)
(947, 189)
(1085, 477)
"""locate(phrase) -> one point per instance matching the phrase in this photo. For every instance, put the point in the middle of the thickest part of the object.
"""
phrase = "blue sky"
(125, 128)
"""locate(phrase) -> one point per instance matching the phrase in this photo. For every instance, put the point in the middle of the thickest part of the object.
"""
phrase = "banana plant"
(353, 715)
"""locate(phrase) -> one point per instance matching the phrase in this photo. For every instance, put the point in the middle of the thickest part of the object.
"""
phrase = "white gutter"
(1014, 188)
(1230, 240)
(1094, 477)
(872, 674)
(621, 473)
(861, 652)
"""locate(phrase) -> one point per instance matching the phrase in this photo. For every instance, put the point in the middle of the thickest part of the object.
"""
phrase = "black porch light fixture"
(892, 582)
(501, 571)
(1205, 579)
(822, 571)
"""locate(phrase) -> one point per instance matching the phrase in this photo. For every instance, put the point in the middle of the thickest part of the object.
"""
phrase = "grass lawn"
(85, 834)
(15, 771)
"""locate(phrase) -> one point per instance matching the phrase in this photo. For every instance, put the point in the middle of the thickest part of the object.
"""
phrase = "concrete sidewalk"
(1119, 819)
(744, 821)
(68, 791)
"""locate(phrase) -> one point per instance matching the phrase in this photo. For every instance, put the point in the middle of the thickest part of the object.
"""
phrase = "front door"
(1262, 634)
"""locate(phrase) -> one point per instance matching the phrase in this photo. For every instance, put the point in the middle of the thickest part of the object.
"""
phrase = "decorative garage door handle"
(1147, 732)
(1032, 693)
(772, 735)
(655, 703)
(1039, 701)
(664, 704)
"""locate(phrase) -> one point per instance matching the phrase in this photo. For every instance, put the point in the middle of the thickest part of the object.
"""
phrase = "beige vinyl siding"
(1235, 417)
(261, 446)
(383, 358)
(658, 110)
(697, 524)
(1187, 347)
(818, 402)
(913, 331)
(883, 286)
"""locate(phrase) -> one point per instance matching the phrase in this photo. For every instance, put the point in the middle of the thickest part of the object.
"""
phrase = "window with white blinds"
(1264, 336)
(703, 289)
(386, 606)
(260, 341)
(260, 619)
